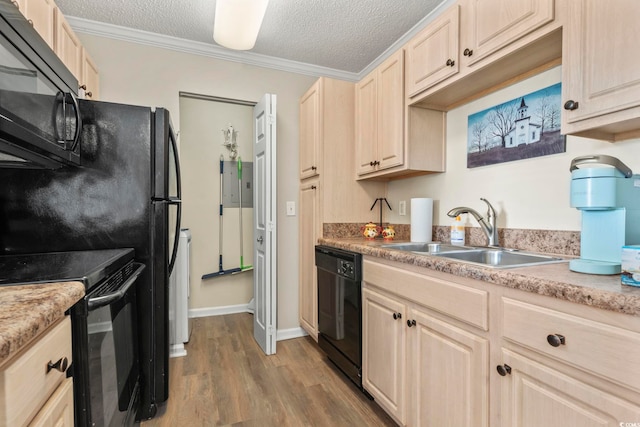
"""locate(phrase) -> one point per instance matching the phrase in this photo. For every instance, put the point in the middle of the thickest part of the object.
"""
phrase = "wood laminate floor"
(226, 380)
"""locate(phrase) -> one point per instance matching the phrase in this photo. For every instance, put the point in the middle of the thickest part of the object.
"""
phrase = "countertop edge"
(26, 311)
(553, 280)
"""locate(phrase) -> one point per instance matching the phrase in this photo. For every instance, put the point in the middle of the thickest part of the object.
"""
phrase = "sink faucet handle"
(491, 212)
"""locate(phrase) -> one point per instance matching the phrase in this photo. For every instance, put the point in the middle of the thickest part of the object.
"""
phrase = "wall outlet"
(402, 208)
(291, 208)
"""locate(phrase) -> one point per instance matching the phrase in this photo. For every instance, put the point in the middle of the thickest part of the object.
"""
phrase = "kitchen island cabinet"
(600, 77)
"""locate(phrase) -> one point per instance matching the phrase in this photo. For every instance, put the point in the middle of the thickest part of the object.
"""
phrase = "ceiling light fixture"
(238, 22)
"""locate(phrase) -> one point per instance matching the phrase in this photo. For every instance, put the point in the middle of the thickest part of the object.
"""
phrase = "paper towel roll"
(421, 219)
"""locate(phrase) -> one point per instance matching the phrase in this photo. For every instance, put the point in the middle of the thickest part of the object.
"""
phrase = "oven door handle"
(103, 300)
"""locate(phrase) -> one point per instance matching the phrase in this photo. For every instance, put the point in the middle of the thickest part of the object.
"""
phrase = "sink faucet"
(489, 228)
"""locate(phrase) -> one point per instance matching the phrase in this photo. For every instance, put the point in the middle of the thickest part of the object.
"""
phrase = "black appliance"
(39, 116)
(340, 309)
(126, 194)
(105, 364)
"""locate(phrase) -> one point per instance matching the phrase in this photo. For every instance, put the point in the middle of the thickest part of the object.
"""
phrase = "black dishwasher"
(340, 309)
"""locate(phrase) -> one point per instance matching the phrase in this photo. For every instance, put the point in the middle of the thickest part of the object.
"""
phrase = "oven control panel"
(346, 269)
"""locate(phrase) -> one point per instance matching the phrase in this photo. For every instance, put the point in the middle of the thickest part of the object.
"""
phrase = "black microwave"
(40, 122)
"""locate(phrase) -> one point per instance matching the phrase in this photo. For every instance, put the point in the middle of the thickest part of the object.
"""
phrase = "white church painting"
(525, 127)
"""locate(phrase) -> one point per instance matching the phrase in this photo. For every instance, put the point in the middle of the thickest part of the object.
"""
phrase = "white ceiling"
(346, 36)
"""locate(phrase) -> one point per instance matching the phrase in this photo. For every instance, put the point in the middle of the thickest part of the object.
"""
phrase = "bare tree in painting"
(502, 120)
(543, 110)
(553, 116)
(478, 136)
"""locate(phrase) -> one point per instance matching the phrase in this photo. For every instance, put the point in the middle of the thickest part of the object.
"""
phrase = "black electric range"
(88, 267)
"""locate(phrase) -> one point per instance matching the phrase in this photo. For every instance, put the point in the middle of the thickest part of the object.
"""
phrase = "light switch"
(402, 208)
(291, 208)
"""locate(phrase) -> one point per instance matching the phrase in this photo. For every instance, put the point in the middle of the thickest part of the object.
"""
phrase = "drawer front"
(461, 302)
(25, 384)
(602, 349)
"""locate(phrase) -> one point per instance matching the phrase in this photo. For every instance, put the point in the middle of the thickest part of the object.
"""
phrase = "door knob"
(260, 240)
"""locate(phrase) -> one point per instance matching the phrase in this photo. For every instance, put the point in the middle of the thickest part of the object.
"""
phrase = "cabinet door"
(68, 47)
(538, 395)
(384, 351)
(391, 111)
(366, 124)
(600, 71)
(40, 14)
(448, 379)
(58, 411)
(310, 130)
(90, 78)
(432, 55)
(493, 24)
(308, 294)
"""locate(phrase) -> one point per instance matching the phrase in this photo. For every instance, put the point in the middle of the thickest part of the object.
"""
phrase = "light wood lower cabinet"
(441, 350)
(30, 390)
(309, 232)
(384, 348)
(423, 368)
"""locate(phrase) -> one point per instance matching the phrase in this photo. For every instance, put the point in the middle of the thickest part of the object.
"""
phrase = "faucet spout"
(488, 225)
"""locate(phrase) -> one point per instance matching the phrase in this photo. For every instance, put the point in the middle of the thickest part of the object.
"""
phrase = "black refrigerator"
(126, 193)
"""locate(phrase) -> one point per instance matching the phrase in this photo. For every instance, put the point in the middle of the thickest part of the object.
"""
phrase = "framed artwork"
(525, 127)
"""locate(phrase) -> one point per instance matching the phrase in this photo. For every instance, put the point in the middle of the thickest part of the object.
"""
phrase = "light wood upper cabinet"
(492, 24)
(68, 46)
(380, 117)
(41, 14)
(600, 72)
(432, 55)
(90, 82)
(310, 130)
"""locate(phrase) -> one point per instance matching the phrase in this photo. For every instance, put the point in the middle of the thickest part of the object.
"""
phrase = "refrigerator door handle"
(174, 252)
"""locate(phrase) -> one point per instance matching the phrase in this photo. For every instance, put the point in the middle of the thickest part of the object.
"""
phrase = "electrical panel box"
(230, 188)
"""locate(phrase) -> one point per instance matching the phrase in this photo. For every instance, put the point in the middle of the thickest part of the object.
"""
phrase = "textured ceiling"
(344, 35)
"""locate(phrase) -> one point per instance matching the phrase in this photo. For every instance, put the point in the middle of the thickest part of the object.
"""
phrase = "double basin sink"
(487, 257)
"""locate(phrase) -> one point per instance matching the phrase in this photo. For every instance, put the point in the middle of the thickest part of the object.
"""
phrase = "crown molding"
(147, 38)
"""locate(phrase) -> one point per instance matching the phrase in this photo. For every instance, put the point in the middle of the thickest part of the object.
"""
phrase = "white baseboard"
(177, 350)
(281, 334)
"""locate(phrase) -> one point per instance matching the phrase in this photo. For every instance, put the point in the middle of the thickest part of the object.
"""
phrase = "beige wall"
(201, 139)
(531, 193)
(137, 74)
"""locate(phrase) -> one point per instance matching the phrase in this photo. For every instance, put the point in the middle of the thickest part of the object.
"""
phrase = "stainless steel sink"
(500, 258)
(426, 247)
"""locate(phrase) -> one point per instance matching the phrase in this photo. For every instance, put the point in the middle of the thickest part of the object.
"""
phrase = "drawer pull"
(61, 365)
(555, 340)
(503, 370)
(411, 323)
(397, 316)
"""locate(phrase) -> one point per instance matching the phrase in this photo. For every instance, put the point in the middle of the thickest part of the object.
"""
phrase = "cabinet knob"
(61, 365)
(83, 87)
(313, 187)
(571, 105)
(411, 323)
(372, 163)
(375, 163)
(313, 168)
(503, 370)
(16, 4)
(450, 62)
(555, 340)
(397, 316)
(89, 94)
(467, 52)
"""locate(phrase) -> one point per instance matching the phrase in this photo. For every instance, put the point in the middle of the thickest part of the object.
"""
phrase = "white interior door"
(264, 202)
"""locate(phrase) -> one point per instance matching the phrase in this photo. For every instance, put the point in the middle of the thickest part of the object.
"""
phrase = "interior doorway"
(214, 134)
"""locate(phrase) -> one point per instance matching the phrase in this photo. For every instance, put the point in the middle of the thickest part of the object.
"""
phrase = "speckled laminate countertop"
(28, 310)
(554, 280)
